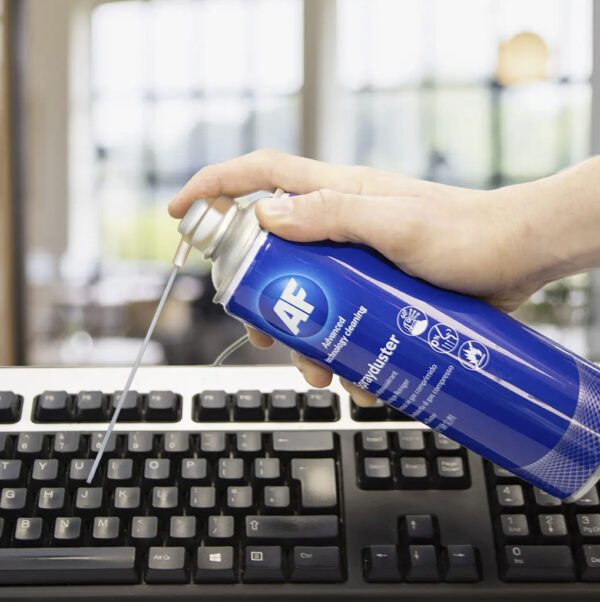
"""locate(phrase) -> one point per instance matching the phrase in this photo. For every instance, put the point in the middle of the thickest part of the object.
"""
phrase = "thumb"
(333, 215)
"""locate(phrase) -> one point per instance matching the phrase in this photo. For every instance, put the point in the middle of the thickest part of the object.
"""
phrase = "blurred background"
(108, 107)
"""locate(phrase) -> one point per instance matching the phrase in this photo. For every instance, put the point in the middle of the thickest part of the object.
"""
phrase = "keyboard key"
(182, 530)
(545, 499)
(215, 565)
(127, 500)
(51, 500)
(377, 473)
(374, 441)
(119, 470)
(88, 500)
(589, 499)
(96, 440)
(166, 565)
(194, 470)
(53, 406)
(67, 444)
(413, 472)
(248, 443)
(300, 442)
(514, 525)
(106, 529)
(132, 406)
(461, 562)
(202, 498)
(552, 525)
(144, 530)
(67, 530)
(538, 563)
(318, 486)
(321, 405)
(450, 469)
(510, 496)
(588, 525)
(139, 443)
(157, 469)
(231, 469)
(13, 501)
(30, 445)
(422, 564)
(410, 441)
(373, 413)
(28, 531)
(265, 469)
(163, 406)
(276, 497)
(502, 474)
(444, 444)
(239, 498)
(283, 405)
(263, 565)
(44, 472)
(80, 469)
(10, 407)
(90, 406)
(164, 499)
(418, 526)
(176, 444)
(316, 564)
(381, 564)
(212, 406)
(10, 472)
(248, 406)
(30, 566)
(220, 527)
(293, 528)
(213, 443)
(591, 563)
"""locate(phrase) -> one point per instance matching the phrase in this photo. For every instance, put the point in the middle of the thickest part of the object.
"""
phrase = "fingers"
(268, 170)
(315, 375)
(258, 339)
(359, 396)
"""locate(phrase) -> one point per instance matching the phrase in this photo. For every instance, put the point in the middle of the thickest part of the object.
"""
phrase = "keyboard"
(243, 483)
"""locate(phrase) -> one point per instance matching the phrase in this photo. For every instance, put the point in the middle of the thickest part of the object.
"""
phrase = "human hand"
(475, 242)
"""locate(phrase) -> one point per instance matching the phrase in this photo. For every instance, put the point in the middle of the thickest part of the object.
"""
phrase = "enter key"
(318, 486)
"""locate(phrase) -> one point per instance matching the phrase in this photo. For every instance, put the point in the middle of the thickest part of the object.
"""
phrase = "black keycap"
(305, 443)
(127, 500)
(510, 496)
(90, 406)
(182, 530)
(552, 525)
(374, 441)
(422, 564)
(588, 525)
(502, 474)
(176, 444)
(67, 530)
(514, 525)
(265, 469)
(451, 471)
(28, 531)
(276, 497)
(88, 500)
(53, 406)
(418, 527)
(80, 469)
(215, 565)
(51, 500)
(13, 501)
(140, 443)
(166, 565)
(10, 407)
(231, 469)
(10, 472)
(377, 473)
(295, 528)
(96, 440)
(320, 404)
(194, 470)
(157, 469)
(263, 564)
(589, 499)
(163, 406)
(213, 443)
(5, 445)
(67, 444)
(164, 499)
(414, 472)
(248, 406)
(144, 530)
(538, 563)
(202, 498)
(44, 472)
(316, 564)
(591, 563)
(212, 406)
(544, 499)
(119, 470)
(461, 563)
(106, 529)
(239, 498)
(132, 406)
(30, 445)
(220, 527)
(318, 488)
(248, 443)
(376, 412)
(444, 444)
(381, 564)
(283, 405)
(410, 441)
(32, 566)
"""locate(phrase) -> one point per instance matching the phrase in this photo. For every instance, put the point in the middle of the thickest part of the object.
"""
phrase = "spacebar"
(67, 565)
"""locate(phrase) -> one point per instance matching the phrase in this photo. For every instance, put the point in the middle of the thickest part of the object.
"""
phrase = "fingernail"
(276, 206)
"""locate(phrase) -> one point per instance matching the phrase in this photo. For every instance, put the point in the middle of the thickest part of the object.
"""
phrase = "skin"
(500, 245)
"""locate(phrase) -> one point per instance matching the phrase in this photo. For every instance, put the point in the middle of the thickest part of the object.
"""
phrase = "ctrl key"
(214, 564)
(381, 564)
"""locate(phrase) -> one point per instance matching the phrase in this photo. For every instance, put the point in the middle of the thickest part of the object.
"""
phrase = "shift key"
(292, 528)
(303, 442)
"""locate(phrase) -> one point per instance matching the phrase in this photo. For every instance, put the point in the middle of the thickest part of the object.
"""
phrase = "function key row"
(255, 406)
(378, 412)
(10, 407)
(96, 406)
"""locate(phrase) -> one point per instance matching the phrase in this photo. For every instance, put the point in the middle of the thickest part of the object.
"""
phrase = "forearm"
(559, 221)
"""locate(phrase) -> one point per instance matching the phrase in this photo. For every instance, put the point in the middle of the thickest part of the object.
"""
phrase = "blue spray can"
(448, 360)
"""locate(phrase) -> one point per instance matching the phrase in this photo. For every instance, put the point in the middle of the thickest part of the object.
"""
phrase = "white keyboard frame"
(187, 381)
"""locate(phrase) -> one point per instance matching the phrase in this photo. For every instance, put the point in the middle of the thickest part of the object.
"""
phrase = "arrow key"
(461, 561)
(381, 564)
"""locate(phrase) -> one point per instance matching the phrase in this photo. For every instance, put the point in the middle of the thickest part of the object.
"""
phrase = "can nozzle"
(182, 252)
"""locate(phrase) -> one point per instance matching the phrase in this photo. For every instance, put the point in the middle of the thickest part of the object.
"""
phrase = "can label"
(448, 360)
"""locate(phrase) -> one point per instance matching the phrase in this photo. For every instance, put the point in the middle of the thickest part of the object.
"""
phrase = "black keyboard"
(223, 483)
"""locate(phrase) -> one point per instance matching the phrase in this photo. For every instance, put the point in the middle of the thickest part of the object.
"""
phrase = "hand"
(476, 242)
